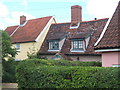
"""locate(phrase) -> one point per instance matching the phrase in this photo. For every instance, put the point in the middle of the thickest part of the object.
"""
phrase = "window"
(18, 46)
(77, 45)
(116, 65)
(54, 45)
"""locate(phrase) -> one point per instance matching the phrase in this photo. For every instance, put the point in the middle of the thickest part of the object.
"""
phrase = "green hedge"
(10, 66)
(37, 75)
(37, 62)
(8, 71)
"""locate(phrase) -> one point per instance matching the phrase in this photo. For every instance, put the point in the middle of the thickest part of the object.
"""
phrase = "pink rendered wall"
(110, 58)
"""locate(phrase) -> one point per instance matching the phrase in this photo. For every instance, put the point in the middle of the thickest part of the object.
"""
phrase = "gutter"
(107, 50)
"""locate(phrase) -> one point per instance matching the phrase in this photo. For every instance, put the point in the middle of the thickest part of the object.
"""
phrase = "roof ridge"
(95, 20)
(32, 19)
(63, 23)
(82, 21)
(40, 18)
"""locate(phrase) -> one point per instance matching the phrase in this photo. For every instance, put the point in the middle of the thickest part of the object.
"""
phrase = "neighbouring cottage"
(73, 40)
(29, 35)
(109, 42)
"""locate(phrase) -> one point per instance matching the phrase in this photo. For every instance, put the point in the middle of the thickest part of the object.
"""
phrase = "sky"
(11, 10)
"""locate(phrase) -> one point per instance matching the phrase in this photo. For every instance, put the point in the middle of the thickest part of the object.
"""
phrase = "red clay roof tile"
(11, 29)
(30, 31)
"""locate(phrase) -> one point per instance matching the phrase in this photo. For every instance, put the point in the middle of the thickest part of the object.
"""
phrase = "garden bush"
(10, 66)
(37, 62)
(8, 69)
(45, 74)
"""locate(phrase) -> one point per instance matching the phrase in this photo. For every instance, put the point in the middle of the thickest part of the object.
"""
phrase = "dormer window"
(78, 45)
(54, 45)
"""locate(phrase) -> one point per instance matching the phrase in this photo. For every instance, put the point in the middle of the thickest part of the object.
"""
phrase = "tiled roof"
(111, 37)
(11, 29)
(80, 35)
(88, 28)
(30, 31)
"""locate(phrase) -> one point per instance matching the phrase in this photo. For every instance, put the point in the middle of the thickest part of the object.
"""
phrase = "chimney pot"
(22, 19)
(95, 18)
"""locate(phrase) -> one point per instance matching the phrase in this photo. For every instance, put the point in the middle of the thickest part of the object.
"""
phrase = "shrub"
(44, 77)
(8, 75)
(36, 62)
(97, 77)
(50, 74)
(10, 66)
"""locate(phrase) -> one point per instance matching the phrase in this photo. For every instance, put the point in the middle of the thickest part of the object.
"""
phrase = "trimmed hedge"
(10, 66)
(37, 62)
(8, 69)
(45, 76)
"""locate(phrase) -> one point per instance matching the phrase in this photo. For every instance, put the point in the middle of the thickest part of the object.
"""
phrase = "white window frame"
(51, 44)
(80, 47)
(77, 44)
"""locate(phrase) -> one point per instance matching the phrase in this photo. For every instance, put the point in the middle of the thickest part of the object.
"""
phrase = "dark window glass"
(54, 45)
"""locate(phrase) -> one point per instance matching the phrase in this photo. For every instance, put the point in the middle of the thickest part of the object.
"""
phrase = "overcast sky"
(11, 10)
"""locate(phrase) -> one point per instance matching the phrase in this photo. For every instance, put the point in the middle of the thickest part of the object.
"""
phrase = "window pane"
(78, 44)
(54, 45)
(17, 46)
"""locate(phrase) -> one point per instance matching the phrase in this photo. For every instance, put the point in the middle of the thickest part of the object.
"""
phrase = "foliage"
(8, 75)
(97, 77)
(41, 57)
(31, 55)
(7, 50)
(45, 76)
(0, 72)
(8, 67)
(37, 62)
(32, 52)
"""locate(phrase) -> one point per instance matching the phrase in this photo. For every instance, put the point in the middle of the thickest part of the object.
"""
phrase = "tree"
(7, 50)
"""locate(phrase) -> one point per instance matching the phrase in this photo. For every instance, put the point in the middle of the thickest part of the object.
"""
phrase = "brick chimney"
(76, 15)
(22, 19)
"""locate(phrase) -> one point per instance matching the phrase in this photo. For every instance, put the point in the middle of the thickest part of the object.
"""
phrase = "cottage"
(73, 40)
(109, 41)
(29, 35)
